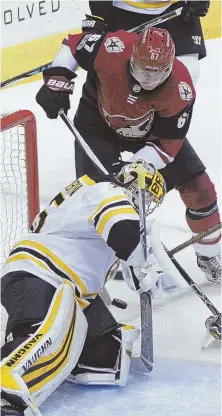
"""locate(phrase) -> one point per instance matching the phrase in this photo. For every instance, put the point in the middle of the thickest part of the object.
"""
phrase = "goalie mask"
(155, 185)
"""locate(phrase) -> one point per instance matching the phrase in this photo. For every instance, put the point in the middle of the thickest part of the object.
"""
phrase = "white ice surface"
(185, 380)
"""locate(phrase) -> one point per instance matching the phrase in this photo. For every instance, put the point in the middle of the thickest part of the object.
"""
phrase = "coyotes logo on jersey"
(130, 127)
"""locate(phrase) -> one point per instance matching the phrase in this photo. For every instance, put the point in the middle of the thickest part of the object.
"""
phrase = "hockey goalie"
(57, 323)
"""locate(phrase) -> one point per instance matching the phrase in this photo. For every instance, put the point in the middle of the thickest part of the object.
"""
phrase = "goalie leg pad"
(106, 361)
(39, 365)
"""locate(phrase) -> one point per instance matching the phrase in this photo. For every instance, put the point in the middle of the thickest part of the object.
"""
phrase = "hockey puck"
(119, 303)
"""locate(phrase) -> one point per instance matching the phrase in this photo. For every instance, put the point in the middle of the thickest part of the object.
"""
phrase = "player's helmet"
(155, 185)
(152, 58)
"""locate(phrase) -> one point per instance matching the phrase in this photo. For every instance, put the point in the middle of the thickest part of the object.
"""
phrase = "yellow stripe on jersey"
(87, 181)
(82, 302)
(43, 249)
(23, 256)
(106, 202)
(110, 214)
(149, 5)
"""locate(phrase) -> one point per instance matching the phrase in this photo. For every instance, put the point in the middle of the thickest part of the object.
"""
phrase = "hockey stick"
(145, 298)
(27, 74)
(214, 330)
(137, 29)
(157, 21)
(187, 243)
(195, 239)
(82, 143)
(193, 285)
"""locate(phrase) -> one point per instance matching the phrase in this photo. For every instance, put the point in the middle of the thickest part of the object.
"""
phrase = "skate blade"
(209, 340)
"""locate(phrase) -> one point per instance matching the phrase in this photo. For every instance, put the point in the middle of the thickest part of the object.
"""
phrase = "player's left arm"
(170, 132)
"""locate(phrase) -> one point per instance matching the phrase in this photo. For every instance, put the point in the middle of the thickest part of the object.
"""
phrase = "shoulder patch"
(114, 44)
(185, 91)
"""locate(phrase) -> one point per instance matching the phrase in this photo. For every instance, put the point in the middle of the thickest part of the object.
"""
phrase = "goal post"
(19, 177)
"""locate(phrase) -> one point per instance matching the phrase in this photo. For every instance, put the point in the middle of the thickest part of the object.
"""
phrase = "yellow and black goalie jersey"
(146, 6)
(86, 228)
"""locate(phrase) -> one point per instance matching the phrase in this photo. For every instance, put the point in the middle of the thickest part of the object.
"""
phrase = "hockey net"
(19, 177)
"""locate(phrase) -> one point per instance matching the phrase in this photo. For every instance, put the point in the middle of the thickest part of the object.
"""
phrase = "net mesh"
(19, 182)
(14, 197)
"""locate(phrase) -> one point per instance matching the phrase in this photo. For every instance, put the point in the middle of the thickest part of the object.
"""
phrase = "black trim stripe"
(40, 257)
(52, 370)
(59, 199)
(47, 261)
(107, 207)
(202, 213)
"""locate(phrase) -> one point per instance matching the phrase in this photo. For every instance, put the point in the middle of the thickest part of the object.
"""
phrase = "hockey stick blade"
(146, 331)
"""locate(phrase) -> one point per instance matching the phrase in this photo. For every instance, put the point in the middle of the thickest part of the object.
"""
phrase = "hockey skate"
(7, 409)
(213, 325)
(211, 266)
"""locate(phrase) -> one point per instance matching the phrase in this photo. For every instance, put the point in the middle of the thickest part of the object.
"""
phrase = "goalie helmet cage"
(19, 177)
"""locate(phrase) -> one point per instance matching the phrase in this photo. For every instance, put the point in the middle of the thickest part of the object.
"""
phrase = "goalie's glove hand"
(54, 94)
(193, 9)
(139, 278)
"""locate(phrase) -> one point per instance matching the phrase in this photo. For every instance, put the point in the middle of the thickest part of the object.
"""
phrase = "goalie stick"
(145, 298)
(157, 21)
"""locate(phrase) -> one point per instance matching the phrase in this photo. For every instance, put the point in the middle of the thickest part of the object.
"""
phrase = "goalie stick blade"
(105, 296)
(146, 331)
(137, 364)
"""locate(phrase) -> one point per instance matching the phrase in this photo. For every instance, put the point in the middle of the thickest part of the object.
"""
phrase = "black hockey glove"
(54, 94)
(193, 9)
(94, 24)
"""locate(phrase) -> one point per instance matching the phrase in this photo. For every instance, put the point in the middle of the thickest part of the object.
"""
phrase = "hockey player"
(185, 30)
(57, 323)
(142, 103)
